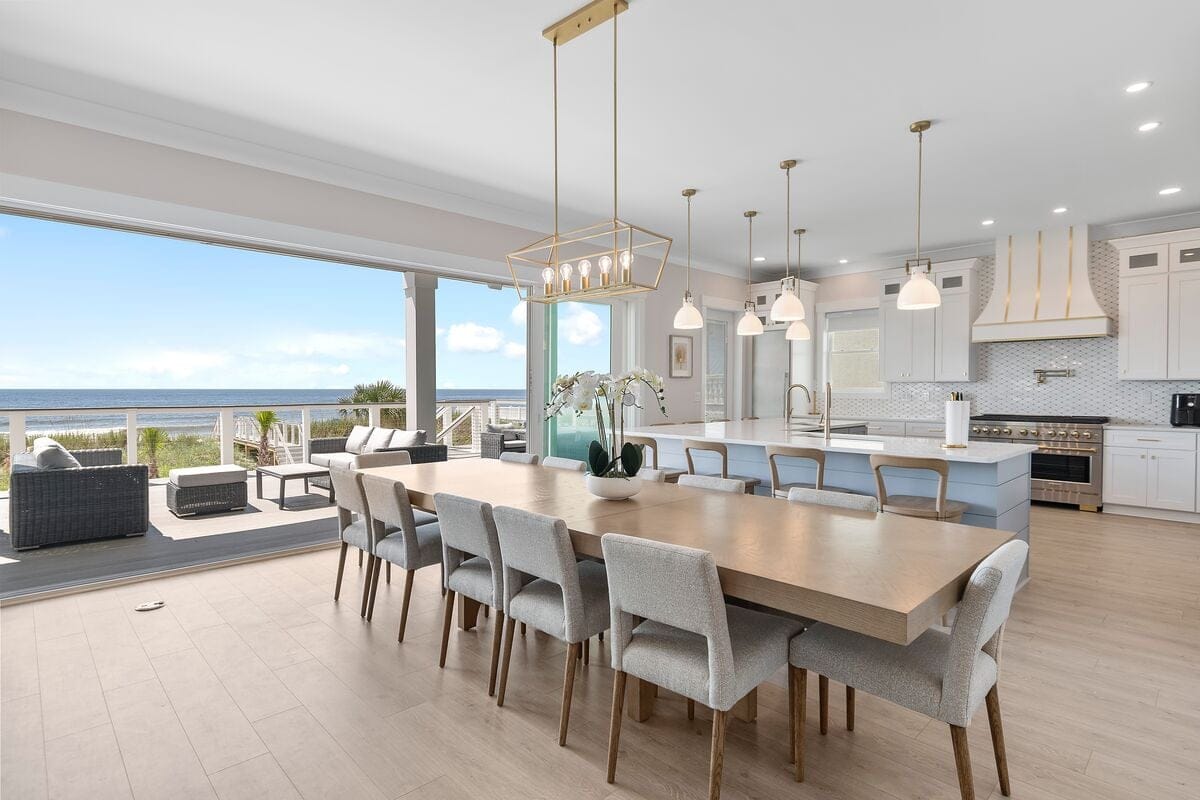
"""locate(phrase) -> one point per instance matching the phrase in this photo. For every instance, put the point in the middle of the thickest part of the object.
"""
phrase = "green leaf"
(631, 458)
(598, 461)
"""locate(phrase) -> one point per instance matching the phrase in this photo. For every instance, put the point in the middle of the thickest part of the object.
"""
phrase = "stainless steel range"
(1069, 463)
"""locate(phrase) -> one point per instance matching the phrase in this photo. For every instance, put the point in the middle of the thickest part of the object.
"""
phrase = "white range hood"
(1042, 290)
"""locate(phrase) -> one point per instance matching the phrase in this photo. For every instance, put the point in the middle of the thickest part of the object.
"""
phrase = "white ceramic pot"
(613, 488)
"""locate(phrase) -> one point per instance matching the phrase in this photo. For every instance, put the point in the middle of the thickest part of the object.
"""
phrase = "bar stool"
(672, 474)
(812, 454)
(715, 447)
(912, 506)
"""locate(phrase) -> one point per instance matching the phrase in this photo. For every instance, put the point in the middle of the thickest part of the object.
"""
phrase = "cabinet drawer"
(928, 430)
(885, 428)
(1151, 440)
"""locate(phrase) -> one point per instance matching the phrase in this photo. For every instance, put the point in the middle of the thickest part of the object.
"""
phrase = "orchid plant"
(609, 395)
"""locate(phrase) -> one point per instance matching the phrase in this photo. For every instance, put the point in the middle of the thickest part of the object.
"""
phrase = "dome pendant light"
(688, 317)
(787, 306)
(798, 331)
(750, 324)
(918, 293)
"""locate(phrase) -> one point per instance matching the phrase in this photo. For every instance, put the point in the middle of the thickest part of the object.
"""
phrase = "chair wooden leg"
(587, 650)
(691, 708)
(337, 586)
(447, 618)
(389, 572)
(409, 575)
(746, 709)
(568, 688)
(798, 719)
(614, 725)
(601, 636)
(849, 708)
(522, 628)
(497, 629)
(716, 757)
(374, 578)
(823, 691)
(993, 709)
(468, 612)
(791, 714)
(486, 611)
(506, 659)
(360, 557)
(366, 595)
(962, 761)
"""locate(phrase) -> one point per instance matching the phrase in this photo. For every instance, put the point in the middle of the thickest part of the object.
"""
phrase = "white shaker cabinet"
(1183, 325)
(1125, 472)
(1142, 326)
(933, 344)
(906, 342)
(1150, 468)
(1171, 480)
(1159, 297)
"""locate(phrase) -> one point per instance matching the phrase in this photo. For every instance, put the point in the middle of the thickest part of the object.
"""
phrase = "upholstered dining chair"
(778, 451)
(824, 497)
(557, 462)
(545, 587)
(698, 445)
(713, 483)
(689, 642)
(520, 458)
(473, 566)
(354, 527)
(943, 675)
(650, 446)
(652, 475)
(913, 506)
(398, 539)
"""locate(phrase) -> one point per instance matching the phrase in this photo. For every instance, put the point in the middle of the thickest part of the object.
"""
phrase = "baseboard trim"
(1153, 513)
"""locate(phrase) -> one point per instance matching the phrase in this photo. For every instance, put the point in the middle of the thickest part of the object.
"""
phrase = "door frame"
(737, 390)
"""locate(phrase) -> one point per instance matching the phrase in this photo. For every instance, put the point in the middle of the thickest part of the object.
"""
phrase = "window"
(851, 351)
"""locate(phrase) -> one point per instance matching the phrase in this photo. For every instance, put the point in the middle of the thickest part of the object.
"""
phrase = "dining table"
(886, 576)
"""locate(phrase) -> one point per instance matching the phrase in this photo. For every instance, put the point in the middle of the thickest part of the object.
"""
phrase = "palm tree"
(265, 420)
(376, 393)
(152, 440)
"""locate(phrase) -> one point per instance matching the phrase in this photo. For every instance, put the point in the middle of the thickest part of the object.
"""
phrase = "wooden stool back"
(938, 465)
(713, 447)
(781, 451)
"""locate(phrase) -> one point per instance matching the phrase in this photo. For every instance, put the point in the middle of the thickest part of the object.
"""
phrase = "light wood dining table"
(883, 575)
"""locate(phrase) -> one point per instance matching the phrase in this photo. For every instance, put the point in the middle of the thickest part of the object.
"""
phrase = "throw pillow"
(52, 455)
(407, 438)
(378, 439)
(358, 437)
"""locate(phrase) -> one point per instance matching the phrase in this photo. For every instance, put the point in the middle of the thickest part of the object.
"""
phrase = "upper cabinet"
(1159, 297)
(935, 344)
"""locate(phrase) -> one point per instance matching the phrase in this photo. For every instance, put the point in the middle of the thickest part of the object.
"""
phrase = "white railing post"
(477, 417)
(16, 434)
(227, 434)
(492, 409)
(305, 431)
(131, 437)
(374, 415)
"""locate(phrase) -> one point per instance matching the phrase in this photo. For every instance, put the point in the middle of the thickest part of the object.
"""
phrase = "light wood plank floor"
(252, 683)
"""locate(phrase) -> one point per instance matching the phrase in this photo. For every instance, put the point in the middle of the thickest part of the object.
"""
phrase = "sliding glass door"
(578, 337)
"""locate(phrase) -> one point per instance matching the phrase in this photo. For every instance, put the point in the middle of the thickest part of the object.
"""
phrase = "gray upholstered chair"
(945, 675)
(713, 484)
(520, 458)
(699, 445)
(557, 462)
(473, 566)
(912, 505)
(824, 497)
(545, 587)
(398, 537)
(650, 447)
(690, 641)
(653, 475)
(352, 503)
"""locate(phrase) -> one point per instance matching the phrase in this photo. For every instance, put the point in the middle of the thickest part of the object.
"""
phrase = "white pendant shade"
(798, 331)
(749, 325)
(688, 317)
(787, 307)
(918, 293)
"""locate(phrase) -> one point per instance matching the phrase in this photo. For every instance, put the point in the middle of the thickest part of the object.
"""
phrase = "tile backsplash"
(1005, 382)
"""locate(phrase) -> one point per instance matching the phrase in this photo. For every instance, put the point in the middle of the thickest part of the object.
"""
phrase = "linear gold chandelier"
(612, 257)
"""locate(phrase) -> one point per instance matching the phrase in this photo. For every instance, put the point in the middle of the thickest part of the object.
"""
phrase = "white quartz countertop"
(1157, 428)
(762, 432)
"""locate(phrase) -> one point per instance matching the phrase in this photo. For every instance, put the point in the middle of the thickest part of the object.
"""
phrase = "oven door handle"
(1066, 450)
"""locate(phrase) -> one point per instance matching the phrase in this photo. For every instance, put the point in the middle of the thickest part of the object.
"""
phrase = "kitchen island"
(992, 478)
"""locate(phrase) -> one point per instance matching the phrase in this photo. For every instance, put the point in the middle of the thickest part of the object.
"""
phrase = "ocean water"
(182, 421)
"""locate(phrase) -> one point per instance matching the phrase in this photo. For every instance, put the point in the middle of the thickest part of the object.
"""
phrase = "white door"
(953, 338)
(1183, 337)
(771, 369)
(895, 347)
(1172, 480)
(718, 365)
(1125, 473)
(1142, 340)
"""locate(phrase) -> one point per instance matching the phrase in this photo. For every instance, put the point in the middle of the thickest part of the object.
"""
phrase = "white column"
(16, 434)
(131, 437)
(305, 431)
(420, 352)
(535, 377)
(374, 416)
(227, 435)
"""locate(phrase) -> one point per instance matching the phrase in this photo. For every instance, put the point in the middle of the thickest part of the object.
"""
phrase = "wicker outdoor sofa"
(337, 445)
(101, 499)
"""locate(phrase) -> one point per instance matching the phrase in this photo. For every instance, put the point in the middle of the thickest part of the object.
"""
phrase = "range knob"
(995, 431)
(974, 429)
(1024, 431)
(1087, 434)
(1075, 434)
(1062, 433)
(1008, 431)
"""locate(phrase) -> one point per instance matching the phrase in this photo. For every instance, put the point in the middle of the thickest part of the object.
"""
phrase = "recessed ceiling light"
(1060, 210)
(1140, 86)
(1148, 126)
(988, 222)
(843, 261)
(760, 258)
(1170, 190)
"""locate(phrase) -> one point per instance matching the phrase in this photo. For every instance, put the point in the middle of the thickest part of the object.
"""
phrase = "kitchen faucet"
(787, 401)
(827, 416)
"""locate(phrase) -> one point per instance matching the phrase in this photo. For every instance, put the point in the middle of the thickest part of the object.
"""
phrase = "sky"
(94, 308)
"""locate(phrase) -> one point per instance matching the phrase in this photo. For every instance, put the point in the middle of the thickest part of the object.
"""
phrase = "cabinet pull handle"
(1148, 440)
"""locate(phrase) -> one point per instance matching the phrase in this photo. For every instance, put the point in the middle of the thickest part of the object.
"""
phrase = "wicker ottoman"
(206, 490)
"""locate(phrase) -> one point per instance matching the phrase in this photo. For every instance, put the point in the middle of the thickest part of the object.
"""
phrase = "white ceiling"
(1027, 97)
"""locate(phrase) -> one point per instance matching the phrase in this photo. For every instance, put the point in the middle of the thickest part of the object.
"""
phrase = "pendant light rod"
(799, 233)
(555, 49)
(689, 194)
(615, 11)
(786, 166)
(750, 215)
(919, 127)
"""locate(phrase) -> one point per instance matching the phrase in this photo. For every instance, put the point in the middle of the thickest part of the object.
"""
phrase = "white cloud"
(339, 345)
(580, 325)
(174, 363)
(514, 350)
(341, 369)
(471, 337)
(519, 314)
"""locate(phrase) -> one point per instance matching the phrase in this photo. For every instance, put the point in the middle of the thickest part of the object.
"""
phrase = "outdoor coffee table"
(286, 472)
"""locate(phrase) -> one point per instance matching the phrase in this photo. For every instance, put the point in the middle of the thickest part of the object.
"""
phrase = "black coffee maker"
(1185, 410)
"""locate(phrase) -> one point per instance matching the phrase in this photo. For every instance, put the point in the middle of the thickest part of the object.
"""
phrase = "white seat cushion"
(540, 603)
(344, 460)
(217, 475)
(473, 578)
(429, 544)
(357, 535)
